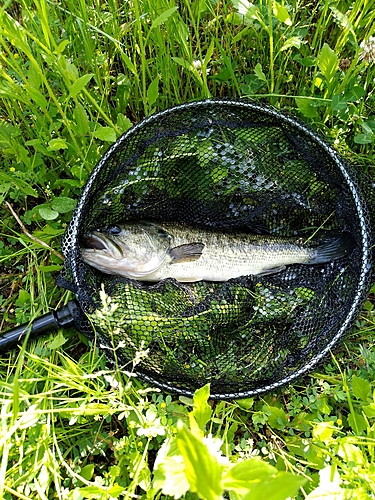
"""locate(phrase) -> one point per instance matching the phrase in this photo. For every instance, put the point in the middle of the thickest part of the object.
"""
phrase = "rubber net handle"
(61, 318)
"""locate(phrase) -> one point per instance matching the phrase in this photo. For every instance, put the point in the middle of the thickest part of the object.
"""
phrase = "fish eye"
(114, 230)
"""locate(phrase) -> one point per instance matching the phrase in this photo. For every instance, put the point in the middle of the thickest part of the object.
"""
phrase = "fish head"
(131, 250)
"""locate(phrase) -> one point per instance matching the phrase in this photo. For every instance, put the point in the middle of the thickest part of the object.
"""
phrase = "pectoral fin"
(186, 253)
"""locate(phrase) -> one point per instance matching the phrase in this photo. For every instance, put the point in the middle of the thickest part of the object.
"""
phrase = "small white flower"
(140, 354)
(65, 493)
(214, 447)
(368, 49)
(112, 381)
(152, 426)
(197, 63)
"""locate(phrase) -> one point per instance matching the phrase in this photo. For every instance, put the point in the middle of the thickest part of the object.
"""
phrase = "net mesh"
(226, 166)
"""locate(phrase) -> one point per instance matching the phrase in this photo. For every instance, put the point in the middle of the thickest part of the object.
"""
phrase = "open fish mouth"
(92, 242)
(97, 243)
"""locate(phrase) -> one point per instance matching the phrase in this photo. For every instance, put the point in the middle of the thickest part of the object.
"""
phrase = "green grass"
(73, 77)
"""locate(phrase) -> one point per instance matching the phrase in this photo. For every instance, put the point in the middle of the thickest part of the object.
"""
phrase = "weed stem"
(29, 235)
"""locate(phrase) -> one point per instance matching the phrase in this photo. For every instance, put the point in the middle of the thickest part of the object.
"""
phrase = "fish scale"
(227, 255)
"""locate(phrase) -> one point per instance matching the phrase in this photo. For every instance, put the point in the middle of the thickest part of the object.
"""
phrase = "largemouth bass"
(147, 251)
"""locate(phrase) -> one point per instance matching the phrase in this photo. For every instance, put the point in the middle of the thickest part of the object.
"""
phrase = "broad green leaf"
(259, 72)
(115, 490)
(8, 132)
(23, 298)
(202, 410)
(323, 431)
(281, 14)
(246, 404)
(253, 479)
(343, 21)
(94, 492)
(34, 77)
(37, 97)
(4, 188)
(123, 123)
(318, 82)
(57, 342)
(363, 139)
(114, 471)
(361, 388)
(299, 447)
(306, 108)
(62, 46)
(338, 103)
(105, 134)
(322, 405)
(355, 93)
(368, 126)
(293, 41)
(9, 181)
(49, 230)
(87, 471)
(357, 422)
(57, 144)
(302, 421)
(241, 34)
(47, 213)
(201, 468)
(50, 269)
(207, 57)
(131, 67)
(63, 204)
(24, 186)
(276, 417)
(368, 306)
(80, 84)
(307, 61)
(186, 401)
(38, 146)
(68, 68)
(350, 452)
(259, 417)
(369, 410)
(240, 477)
(92, 409)
(153, 91)
(280, 487)
(81, 120)
(164, 16)
(328, 62)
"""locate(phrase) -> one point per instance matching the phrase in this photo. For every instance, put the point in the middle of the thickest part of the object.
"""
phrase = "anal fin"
(273, 270)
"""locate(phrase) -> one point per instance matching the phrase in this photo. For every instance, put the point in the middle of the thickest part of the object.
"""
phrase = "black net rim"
(365, 231)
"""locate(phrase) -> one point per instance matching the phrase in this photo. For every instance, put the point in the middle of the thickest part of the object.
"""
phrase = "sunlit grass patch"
(73, 77)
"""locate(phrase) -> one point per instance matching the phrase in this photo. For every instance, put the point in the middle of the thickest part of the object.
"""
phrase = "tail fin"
(330, 245)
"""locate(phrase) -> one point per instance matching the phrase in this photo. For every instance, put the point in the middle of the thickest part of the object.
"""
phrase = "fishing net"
(225, 165)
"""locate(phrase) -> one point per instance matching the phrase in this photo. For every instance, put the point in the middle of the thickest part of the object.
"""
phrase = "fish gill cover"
(228, 166)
